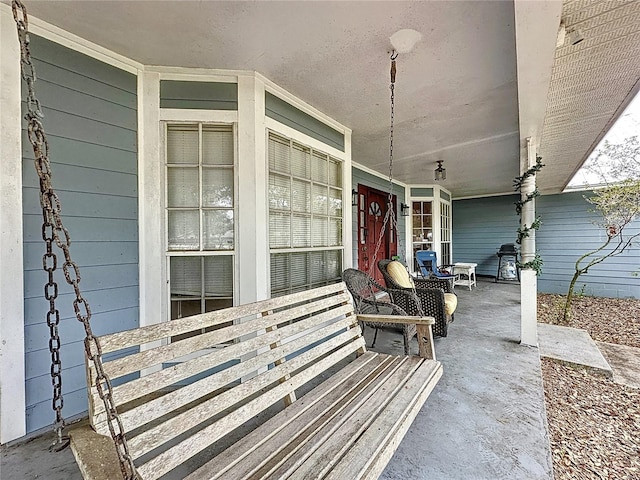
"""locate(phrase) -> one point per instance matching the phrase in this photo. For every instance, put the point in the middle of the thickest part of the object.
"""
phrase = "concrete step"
(573, 346)
(625, 362)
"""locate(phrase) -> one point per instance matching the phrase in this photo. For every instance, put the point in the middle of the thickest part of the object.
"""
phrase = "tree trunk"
(567, 305)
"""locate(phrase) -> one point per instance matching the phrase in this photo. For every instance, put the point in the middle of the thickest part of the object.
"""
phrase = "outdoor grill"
(508, 271)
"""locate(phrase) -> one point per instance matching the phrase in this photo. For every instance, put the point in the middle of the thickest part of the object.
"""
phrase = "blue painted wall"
(198, 95)
(289, 115)
(91, 124)
(361, 177)
(481, 225)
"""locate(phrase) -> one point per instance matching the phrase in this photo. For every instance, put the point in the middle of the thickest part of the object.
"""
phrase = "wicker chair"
(364, 290)
(430, 292)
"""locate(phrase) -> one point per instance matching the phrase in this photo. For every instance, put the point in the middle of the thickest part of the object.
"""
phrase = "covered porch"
(490, 86)
(485, 418)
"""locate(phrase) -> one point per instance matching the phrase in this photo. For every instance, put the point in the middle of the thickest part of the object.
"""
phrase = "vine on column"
(524, 231)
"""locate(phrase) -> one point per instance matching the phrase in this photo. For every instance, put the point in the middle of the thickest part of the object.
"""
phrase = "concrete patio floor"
(485, 419)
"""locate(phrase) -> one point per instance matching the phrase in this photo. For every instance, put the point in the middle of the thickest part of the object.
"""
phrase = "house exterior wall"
(359, 176)
(103, 125)
(480, 226)
(567, 232)
(90, 120)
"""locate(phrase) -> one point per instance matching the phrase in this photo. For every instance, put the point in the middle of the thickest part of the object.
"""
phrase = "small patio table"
(465, 274)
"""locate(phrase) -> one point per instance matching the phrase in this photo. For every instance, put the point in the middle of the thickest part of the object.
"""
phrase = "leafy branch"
(524, 231)
(535, 264)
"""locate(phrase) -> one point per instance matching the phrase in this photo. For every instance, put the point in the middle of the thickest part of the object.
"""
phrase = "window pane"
(186, 277)
(334, 265)
(217, 145)
(217, 230)
(335, 232)
(279, 192)
(278, 154)
(218, 276)
(317, 267)
(182, 187)
(300, 157)
(320, 199)
(279, 272)
(217, 187)
(299, 270)
(184, 308)
(319, 167)
(335, 202)
(184, 230)
(335, 173)
(301, 196)
(319, 232)
(182, 144)
(301, 229)
(279, 230)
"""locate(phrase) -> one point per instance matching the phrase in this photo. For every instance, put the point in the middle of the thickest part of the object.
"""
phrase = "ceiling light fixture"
(575, 36)
(404, 209)
(404, 40)
(568, 36)
(440, 172)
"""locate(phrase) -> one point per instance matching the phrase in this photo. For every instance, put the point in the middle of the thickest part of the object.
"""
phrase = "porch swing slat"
(166, 404)
(249, 448)
(159, 331)
(147, 384)
(341, 431)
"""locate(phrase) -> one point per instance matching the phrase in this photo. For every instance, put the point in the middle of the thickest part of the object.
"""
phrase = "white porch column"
(153, 292)
(12, 367)
(528, 278)
(253, 213)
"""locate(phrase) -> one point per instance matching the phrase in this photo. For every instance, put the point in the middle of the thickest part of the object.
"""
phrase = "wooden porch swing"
(188, 408)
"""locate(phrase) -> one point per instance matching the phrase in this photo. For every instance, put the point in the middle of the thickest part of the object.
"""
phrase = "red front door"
(372, 209)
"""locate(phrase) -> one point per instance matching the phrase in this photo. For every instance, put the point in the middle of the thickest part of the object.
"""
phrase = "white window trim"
(277, 128)
(12, 361)
(188, 117)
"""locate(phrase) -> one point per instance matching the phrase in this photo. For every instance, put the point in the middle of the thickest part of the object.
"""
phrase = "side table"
(465, 274)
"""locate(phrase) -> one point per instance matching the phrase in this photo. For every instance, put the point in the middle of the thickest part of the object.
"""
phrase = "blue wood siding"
(198, 95)
(480, 226)
(90, 118)
(567, 232)
(361, 177)
(289, 115)
(422, 192)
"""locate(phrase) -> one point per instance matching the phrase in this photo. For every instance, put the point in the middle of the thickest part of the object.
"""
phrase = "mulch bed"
(594, 423)
(611, 320)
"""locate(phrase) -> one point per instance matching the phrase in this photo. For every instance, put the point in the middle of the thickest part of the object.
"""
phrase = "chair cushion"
(450, 303)
(397, 271)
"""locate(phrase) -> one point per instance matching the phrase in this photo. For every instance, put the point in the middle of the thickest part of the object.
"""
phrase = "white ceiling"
(456, 92)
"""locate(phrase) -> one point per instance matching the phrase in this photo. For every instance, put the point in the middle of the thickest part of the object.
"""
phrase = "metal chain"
(53, 230)
(390, 216)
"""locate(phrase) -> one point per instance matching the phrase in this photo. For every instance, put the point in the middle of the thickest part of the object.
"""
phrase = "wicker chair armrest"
(396, 319)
